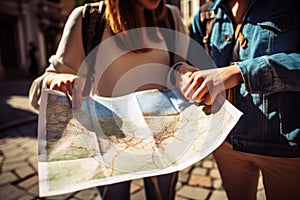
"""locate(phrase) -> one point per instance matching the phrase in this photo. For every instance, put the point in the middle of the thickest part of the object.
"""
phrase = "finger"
(63, 87)
(183, 79)
(69, 85)
(196, 81)
(69, 92)
(77, 94)
(208, 99)
(182, 84)
(213, 95)
(69, 96)
(54, 87)
(201, 92)
(186, 84)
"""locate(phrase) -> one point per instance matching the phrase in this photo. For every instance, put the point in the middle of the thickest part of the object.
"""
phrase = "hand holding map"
(111, 140)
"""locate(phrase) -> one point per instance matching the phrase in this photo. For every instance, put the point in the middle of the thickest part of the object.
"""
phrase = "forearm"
(36, 88)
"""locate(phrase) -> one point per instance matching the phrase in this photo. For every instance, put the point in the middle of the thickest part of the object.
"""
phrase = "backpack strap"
(93, 25)
(169, 40)
(207, 18)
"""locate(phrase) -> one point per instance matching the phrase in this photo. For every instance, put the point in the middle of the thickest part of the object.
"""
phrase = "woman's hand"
(67, 83)
(204, 86)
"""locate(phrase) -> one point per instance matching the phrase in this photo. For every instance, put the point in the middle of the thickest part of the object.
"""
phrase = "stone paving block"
(136, 185)
(86, 194)
(4, 146)
(208, 164)
(11, 192)
(140, 195)
(12, 166)
(2, 142)
(199, 171)
(34, 190)
(180, 198)
(198, 180)
(178, 185)
(33, 149)
(7, 177)
(218, 195)
(1, 159)
(29, 143)
(13, 152)
(98, 197)
(29, 182)
(60, 197)
(10, 149)
(18, 141)
(210, 157)
(34, 162)
(24, 172)
(187, 170)
(217, 184)
(261, 195)
(214, 173)
(26, 197)
(16, 158)
(183, 177)
(198, 164)
(195, 193)
(260, 184)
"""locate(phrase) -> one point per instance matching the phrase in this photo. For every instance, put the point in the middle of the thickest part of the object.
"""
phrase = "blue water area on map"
(158, 103)
(152, 103)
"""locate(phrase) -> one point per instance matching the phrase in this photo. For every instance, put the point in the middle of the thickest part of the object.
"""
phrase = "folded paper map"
(110, 140)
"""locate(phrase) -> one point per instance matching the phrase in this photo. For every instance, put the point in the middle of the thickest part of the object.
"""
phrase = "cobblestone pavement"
(19, 180)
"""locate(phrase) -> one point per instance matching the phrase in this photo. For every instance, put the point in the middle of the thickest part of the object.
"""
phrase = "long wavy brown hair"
(121, 16)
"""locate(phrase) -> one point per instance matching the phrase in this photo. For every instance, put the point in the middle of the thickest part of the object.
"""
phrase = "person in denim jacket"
(255, 44)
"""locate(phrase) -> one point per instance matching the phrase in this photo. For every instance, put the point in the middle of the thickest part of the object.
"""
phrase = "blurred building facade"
(25, 23)
(40, 23)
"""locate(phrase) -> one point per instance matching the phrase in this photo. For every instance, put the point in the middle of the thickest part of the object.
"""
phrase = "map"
(110, 140)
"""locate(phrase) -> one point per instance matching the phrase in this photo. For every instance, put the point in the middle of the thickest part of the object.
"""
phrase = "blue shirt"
(269, 97)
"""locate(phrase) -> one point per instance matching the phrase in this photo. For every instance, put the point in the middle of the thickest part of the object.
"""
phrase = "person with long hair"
(120, 16)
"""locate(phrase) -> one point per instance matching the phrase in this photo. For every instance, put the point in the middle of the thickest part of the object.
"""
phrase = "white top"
(117, 72)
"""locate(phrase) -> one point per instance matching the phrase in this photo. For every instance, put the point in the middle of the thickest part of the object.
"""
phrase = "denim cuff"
(256, 74)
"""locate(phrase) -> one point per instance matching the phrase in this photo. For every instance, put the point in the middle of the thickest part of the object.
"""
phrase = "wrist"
(173, 71)
(237, 73)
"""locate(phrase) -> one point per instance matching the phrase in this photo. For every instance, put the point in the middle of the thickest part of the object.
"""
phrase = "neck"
(139, 9)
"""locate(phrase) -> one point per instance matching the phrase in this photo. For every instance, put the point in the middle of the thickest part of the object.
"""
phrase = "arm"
(204, 85)
(271, 74)
(265, 75)
(65, 63)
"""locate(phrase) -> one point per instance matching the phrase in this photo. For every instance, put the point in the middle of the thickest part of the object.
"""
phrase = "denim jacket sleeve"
(265, 69)
(271, 74)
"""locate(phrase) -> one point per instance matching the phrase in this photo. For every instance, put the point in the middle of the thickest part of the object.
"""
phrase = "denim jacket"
(269, 96)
